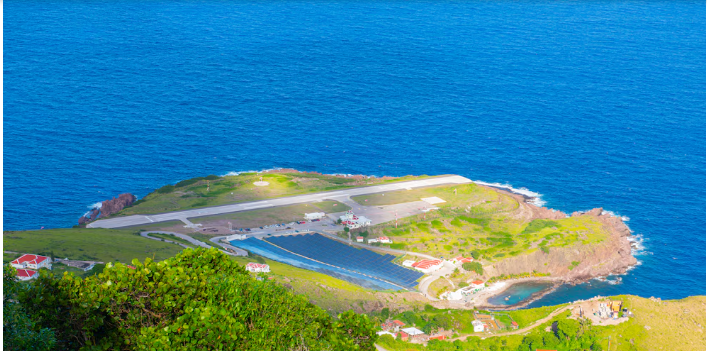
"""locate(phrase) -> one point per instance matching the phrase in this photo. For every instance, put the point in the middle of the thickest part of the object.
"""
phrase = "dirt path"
(519, 331)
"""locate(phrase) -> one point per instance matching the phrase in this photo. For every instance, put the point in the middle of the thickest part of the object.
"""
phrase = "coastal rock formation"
(612, 256)
(109, 207)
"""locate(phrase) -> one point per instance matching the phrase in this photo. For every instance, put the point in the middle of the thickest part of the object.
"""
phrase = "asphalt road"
(134, 220)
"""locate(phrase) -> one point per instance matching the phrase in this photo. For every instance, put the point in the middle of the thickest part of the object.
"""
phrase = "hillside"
(654, 325)
(505, 233)
(104, 245)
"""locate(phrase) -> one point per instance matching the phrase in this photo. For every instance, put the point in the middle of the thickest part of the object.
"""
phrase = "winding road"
(519, 331)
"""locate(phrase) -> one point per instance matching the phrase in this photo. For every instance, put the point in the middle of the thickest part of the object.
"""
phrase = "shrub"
(166, 189)
(187, 182)
(463, 284)
(199, 299)
(211, 177)
(545, 249)
(473, 267)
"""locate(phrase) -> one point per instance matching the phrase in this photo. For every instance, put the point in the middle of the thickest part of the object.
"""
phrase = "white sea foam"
(236, 173)
(638, 247)
(614, 214)
(95, 206)
(535, 198)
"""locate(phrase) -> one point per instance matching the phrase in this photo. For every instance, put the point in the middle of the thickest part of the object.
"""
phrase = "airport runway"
(134, 220)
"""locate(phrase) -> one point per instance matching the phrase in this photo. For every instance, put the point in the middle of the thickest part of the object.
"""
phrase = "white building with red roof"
(32, 261)
(257, 267)
(384, 240)
(359, 239)
(459, 260)
(477, 284)
(26, 274)
(427, 266)
(353, 221)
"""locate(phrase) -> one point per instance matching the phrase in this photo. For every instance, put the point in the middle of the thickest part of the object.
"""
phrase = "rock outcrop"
(611, 256)
(109, 207)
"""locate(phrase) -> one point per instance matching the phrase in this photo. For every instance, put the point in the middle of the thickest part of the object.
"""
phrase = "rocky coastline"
(108, 207)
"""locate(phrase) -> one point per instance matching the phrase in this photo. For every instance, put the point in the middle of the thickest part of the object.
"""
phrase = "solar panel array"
(336, 253)
(268, 250)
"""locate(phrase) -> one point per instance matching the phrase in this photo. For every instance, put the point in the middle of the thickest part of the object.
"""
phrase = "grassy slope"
(673, 325)
(477, 218)
(235, 189)
(106, 245)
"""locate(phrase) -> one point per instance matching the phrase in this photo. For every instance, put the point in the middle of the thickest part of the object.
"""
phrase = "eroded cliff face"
(109, 207)
(612, 256)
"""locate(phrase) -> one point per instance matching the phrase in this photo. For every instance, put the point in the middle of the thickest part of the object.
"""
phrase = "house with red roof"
(393, 325)
(26, 274)
(427, 266)
(437, 337)
(459, 260)
(477, 284)
(384, 240)
(514, 325)
(359, 239)
(32, 261)
(257, 267)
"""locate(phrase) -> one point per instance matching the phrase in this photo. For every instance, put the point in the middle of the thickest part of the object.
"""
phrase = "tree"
(19, 331)
(385, 313)
(473, 267)
(475, 254)
(567, 329)
(346, 229)
(199, 299)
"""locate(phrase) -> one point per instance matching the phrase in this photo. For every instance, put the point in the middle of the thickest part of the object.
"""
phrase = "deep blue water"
(590, 103)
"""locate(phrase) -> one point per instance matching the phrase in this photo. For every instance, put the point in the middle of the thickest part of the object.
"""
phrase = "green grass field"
(200, 192)
(273, 215)
(105, 245)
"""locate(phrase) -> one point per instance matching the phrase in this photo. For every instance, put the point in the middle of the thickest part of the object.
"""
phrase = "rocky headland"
(108, 207)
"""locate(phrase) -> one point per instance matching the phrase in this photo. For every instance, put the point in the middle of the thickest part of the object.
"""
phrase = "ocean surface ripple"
(590, 103)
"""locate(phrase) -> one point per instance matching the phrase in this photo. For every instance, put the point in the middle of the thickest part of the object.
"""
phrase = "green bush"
(187, 182)
(166, 189)
(212, 177)
(199, 299)
(473, 267)
(19, 331)
(545, 249)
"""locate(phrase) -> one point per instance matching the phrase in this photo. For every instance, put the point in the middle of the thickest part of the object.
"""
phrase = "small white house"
(314, 215)
(477, 284)
(359, 239)
(26, 274)
(32, 261)
(408, 263)
(384, 240)
(257, 267)
(353, 221)
(236, 237)
(374, 240)
(427, 266)
(478, 326)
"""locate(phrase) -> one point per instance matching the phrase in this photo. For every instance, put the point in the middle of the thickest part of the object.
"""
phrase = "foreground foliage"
(198, 299)
(19, 332)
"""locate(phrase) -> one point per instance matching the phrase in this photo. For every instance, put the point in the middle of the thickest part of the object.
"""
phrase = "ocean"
(588, 103)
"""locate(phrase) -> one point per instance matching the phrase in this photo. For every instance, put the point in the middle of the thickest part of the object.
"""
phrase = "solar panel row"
(265, 249)
(330, 251)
